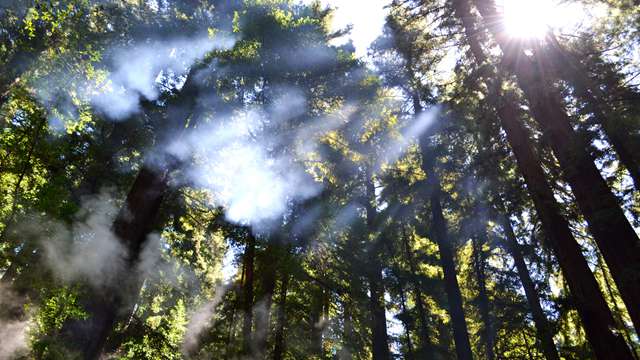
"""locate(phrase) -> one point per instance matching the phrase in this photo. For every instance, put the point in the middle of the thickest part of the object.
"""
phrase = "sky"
(366, 16)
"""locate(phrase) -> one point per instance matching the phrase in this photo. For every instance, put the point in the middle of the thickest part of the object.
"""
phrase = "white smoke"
(87, 250)
(136, 71)
(201, 319)
(14, 339)
(236, 160)
(14, 330)
(133, 73)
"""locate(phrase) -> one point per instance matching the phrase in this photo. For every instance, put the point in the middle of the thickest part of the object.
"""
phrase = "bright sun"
(532, 18)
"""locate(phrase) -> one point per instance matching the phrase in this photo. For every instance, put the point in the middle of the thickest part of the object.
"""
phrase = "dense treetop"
(226, 179)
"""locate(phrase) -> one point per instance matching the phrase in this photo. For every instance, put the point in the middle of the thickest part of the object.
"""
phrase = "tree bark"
(488, 335)
(407, 326)
(247, 286)
(440, 233)
(621, 137)
(591, 305)
(263, 317)
(279, 347)
(131, 226)
(379, 336)
(611, 230)
(543, 328)
(425, 334)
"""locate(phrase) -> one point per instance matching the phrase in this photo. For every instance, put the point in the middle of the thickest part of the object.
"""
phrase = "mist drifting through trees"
(229, 179)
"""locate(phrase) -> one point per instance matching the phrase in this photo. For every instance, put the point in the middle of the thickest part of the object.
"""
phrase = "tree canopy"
(227, 179)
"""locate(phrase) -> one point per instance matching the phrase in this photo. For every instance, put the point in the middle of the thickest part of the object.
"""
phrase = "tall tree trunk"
(263, 317)
(627, 334)
(379, 340)
(593, 309)
(379, 336)
(315, 323)
(425, 334)
(407, 325)
(488, 335)
(131, 226)
(440, 233)
(247, 286)
(348, 330)
(543, 328)
(621, 137)
(611, 230)
(279, 347)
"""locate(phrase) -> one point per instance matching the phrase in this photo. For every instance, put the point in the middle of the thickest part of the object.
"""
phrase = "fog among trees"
(229, 179)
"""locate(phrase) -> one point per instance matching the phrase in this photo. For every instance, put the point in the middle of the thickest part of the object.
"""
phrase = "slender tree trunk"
(348, 330)
(279, 347)
(593, 309)
(440, 233)
(425, 334)
(407, 325)
(543, 328)
(379, 336)
(611, 230)
(488, 334)
(247, 286)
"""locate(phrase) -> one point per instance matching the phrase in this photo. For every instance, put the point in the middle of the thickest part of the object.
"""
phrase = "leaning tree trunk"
(440, 233)
(621, 136)
(543, 327)
(104, 306)
(591, 305)
(132, 225)
(611, 230)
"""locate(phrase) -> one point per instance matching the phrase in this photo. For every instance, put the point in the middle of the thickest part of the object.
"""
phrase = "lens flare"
(531, 19)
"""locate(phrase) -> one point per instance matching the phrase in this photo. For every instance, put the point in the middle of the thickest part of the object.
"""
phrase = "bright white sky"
(366, 16)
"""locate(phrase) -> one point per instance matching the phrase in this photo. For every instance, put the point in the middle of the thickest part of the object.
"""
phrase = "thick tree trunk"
(379, 340)
(133, 223)
(247, 287)
(621, 137)
(488, 334)
(263, 317)
(279, 347)
(593, 309)
(131, 226)
(440, 233)
(590, 303)
(315, 324)
(611, 230)
(627, 334)
(543, 328)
